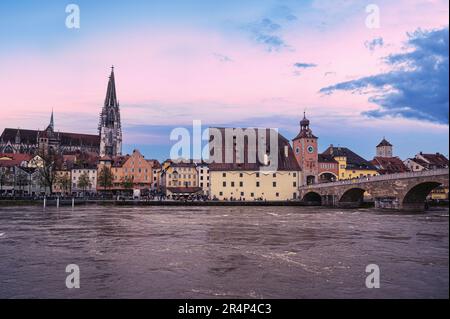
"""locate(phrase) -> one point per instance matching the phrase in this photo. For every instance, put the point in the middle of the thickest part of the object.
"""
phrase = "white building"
(91, 173)
(203, 178)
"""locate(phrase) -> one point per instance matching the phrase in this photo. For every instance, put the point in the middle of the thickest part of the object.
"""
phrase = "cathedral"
(107, 143)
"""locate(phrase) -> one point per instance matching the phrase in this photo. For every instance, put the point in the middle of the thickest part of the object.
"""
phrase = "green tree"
(84, 182)
(63, 182)
(127, 183)
(105, 178)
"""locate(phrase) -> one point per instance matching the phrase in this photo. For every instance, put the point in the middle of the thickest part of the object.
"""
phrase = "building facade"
(203, 178)
(249, 181)
(351, 165)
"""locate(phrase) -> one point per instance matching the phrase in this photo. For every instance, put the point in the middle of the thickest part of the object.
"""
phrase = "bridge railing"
(435, 172)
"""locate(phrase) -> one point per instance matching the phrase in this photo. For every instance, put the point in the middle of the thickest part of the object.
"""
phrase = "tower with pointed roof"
(384, 149)
(110, 128)
(305, 149)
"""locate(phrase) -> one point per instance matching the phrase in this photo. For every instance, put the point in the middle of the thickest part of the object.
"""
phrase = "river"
(222, 252)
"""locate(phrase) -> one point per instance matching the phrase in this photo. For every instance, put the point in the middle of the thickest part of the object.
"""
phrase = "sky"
(359, 74)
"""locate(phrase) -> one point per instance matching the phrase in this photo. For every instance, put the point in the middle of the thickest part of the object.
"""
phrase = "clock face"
(310, 149)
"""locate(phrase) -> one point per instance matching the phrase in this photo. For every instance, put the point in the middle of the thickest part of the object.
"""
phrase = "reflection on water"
(222, 252)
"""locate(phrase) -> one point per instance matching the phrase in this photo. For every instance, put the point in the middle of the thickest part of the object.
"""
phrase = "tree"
(5, 176)
(21, 180)
(63, 181)
(105, 178)
(84, 182)
(127, 183)
(47, 171)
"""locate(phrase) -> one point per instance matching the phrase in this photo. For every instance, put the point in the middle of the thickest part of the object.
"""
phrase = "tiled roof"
(10, 160)
(285, 163)
(354, 161)
(389, 165)
(325, 158)
(67, 139)
(26, 136)
(437, 159)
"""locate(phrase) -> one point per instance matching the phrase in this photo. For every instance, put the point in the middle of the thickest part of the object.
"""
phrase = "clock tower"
(306, 153)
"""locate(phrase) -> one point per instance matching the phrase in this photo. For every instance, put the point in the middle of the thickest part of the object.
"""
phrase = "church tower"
(306, 153)
(110, 129)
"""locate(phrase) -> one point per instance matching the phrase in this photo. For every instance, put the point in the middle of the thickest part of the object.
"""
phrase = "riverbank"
(78, 202)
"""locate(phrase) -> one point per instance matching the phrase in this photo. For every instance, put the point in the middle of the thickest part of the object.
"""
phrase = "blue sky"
(232, 63)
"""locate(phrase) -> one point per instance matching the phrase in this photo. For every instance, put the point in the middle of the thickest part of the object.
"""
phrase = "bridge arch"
(312, 198)
(416, 195)
(326, 177)
(353, 195)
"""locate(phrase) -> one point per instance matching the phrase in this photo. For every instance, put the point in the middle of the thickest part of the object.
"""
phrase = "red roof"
(285, 163)
(437, 160)
(389, 165)
(14, 159)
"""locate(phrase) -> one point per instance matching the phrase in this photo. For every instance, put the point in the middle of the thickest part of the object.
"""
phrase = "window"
(274, 184)
(241, 184)
(257, 184)
(257, 175)
(201, 184)
(295, 184)
(224, 184)
(242, 193)
(224, 174)
(241, 175)
(274, 174)
(295, 174)
(220, 193)
(277, 194)
(232, 184)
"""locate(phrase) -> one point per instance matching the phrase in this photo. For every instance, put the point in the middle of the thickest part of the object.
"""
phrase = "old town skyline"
(260, 68)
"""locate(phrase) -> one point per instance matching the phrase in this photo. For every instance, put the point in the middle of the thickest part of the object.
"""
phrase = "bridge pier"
(329, 200)
(387, 203)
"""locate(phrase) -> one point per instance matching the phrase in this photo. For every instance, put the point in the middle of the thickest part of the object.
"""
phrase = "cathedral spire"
(109, 125)
(52, 122)
(111, 97)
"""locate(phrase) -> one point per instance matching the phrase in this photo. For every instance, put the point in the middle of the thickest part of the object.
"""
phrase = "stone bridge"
(403, 191)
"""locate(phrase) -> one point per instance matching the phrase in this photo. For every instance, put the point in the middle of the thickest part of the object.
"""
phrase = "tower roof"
(384, 142)
(305, 121)
(111, 96)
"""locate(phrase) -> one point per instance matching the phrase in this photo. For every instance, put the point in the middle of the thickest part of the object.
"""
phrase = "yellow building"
(249, 181)
(254, 185)
(350, 164)
(180, 179)
(439, 193)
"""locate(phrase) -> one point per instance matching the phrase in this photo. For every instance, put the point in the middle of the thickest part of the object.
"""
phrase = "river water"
(222, 252)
